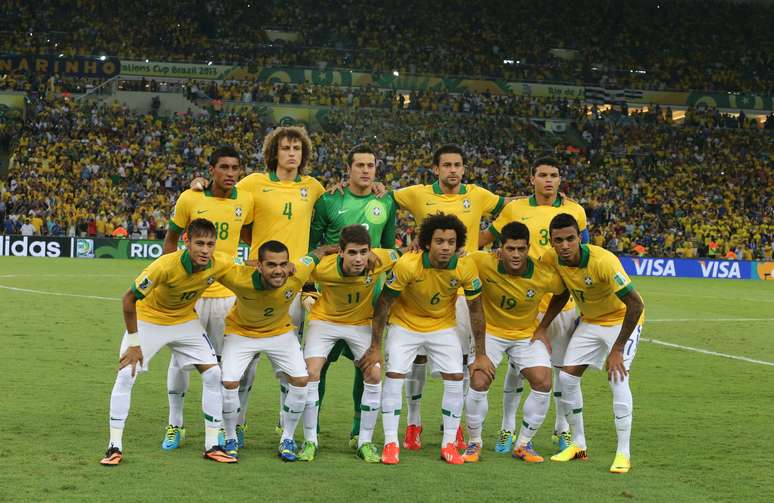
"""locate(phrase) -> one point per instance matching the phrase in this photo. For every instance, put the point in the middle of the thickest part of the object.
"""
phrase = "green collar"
(274, 178)
(556, 204)
(585, 253)
(437, 188)
(351, 194)
(427, 265)
(528, 272)
(257, 281)
(185, 259)
(232, 195)
(340, 268)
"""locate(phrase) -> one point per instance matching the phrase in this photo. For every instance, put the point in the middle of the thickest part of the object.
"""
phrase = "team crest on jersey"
(304, 192)
(369, 279)
(145, 283)
(619, 279)
(393, 255)
(587, 280)
(530, 293)
(466, 204)
(454, 282)
(238, 211)
(307, 260)
(391, 278)
(288, 293)
(210, 280)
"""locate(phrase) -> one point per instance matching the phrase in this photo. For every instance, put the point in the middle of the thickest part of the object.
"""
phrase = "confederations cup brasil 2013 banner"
(148, 249)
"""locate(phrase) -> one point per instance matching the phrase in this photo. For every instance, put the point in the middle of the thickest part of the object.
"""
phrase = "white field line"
(653, 341)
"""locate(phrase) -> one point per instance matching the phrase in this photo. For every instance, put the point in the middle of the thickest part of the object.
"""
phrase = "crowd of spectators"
(647, 185)
(644, 44)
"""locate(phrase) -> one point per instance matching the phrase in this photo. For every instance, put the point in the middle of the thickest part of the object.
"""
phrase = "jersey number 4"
(288, 210)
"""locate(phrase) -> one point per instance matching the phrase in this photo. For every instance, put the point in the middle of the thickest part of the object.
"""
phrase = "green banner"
(731, 100)
(128, 248)
(11, 105)
(175, 70)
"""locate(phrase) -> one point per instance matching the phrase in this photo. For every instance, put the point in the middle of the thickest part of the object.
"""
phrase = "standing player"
(612, 314)
(536, 212)
(355, 204)
(260, 322)
(469, 203)
(343, 315)
(158, 312)
(513, 285)
(228, 209)
(419, 298)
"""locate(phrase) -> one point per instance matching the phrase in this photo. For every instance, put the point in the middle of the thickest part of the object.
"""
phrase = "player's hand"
(374, 262)
(378, 189)
(371, 358)
(336, 187)
(199, 184)
(615, 365)
(251, 262)
(484, 364)
(541, 335)
(308, 299)
(291, 269)
(322, 251)
(132, 356)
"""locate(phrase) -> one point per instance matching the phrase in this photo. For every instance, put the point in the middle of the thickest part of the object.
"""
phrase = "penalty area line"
(707, 352)
(58, 294)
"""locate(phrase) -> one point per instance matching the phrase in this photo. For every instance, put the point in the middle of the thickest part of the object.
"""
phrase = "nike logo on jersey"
(431, 204)
(343, 211)
(524, 218)
(491, 281)
(267, 190)
(199, 212)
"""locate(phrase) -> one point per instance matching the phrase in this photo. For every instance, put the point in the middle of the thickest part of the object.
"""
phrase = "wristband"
(133, 339)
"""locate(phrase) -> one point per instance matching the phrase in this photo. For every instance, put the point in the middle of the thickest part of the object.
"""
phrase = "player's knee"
(298, 382)
(124, 376)
(211, 376)
(541, 382)
(231, 384)
(374, 376)
(479, 381)
(452, 377)
(420, 359)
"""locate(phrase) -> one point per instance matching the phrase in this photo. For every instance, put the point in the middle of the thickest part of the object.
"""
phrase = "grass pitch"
(701, 423)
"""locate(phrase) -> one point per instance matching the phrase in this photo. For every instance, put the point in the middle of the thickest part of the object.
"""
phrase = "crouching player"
(612, 314)
(513, 285)
(260, 322)
(420, 297)
(158, 312)
(343, 313)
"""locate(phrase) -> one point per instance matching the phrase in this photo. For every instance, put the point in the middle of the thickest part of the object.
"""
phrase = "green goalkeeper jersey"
(333, 212)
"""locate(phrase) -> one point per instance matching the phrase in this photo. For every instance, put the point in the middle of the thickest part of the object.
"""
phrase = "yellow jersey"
(537, 218)
(260, 311)
(285, 209)
(426, 295)
(597, 284)
(469, 205)
(227, 214)
(168, 288)
(511, 303)
(348, 300)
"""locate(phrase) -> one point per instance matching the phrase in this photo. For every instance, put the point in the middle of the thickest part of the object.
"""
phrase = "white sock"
(230, 411)
(465, 379)
(451, 410)
(283, 382)
(572, 400)
(535, 410)
(415, 383)
(310, 411)
(245, 385)
(295, 403)
(391, 402)
(212, 405)
(512, 388)
(177, 386)
(477, 406)
(369, 411)
(120, 400)
(623, 406)
(560, 423)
